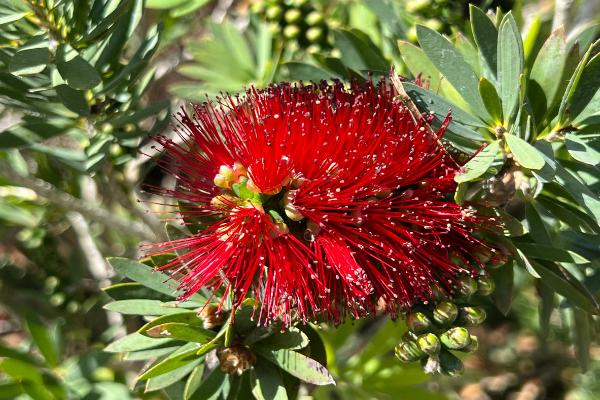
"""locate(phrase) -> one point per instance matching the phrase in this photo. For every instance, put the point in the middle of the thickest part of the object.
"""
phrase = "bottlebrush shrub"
(308, 203)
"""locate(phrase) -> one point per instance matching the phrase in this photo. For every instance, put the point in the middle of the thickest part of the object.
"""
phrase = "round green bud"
(314, 18)
(438, 293)
(445, 313)
(429, 343)
(472, 315)
(455, 338)
(434, 24)
(472, 346)
(293, 15)
(466, 286)
(408, 351)
(313, 49)
(291, 31)
(314, 34)
(450, 364)
(418, 322)
(485, 285)
(273, 13)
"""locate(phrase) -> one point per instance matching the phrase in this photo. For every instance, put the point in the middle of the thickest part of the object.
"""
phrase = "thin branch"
(70, 203)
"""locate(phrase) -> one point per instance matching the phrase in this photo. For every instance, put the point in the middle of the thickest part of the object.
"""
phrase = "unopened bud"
(273, 12)
(472, 315)
(210, 316)
(290, 211)
(408, 352)
(456, 338)
(472, 346)
(418, 322)
(236, 359)
(293, 15)
(450, 364)
(429, 343)
(291, 32)
(466, 286)
(485, 285)
(314, 18)
(445, 313)
(314, 34)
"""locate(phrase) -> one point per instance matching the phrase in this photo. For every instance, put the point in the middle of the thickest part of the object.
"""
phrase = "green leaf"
(566, 285)
(580, 192)
(427, 101)
(266, 382)
(548, 171)
(359, 52)
(181, 357)
(180, 331)
(189, 318)
(548, 68)
(542, 252)
(512, 226)
(419, 64)
(510, 65)
(300, 366)
(210, 388)
(188, 8)
(581, 151)
(20, 370)
(133, 290)
(486, 38)
(142, 307)
(43, 340)
(75, 70)
(582, 338)
(148, 277)
(31, 58)
(291, 339)
(10, 390)
(524, 153)
(537, 227)
(150, 353)
(171, 377)
(546, 307)
(453, 66)
(8, 18)
(586, 97)
(306, 72)
(491, 100)
(193, 382)
(164, 4)
(135, 342)
(504, 279)
(573, 86)
(478, 165)
(73, 99)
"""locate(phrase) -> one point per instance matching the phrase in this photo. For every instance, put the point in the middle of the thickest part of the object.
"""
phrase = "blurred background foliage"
(84, 83)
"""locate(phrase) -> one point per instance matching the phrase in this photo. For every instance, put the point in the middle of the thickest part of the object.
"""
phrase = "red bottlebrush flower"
(320, 201)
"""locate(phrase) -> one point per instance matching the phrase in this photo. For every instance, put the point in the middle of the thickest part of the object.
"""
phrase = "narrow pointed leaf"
(300, 366)
(524, 153)
(478, 165)
(510, 65)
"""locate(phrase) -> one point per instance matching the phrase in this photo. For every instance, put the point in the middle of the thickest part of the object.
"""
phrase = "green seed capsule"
(291, 31)
(466, 286)
(314, 18)
(314, 34)
(429, 343)
(456, 338)
(472, 315)
(472, 346)
(293, 15)
(409, 337)
(486, 285)
(408, 352)
(418, 322)
(273, 13)
(445, 313)
(450, 364)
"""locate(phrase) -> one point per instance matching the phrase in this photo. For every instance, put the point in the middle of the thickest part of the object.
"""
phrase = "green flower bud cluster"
(438, 329)
(300, 22)
(439, 15)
